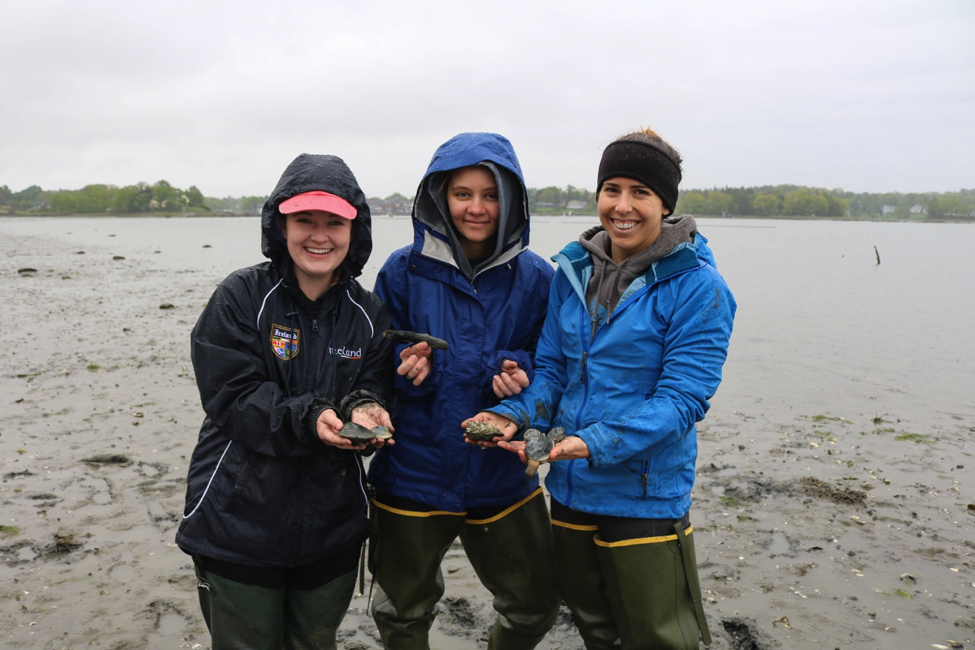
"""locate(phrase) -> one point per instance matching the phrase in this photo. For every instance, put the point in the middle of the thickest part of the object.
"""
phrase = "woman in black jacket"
(286, 352)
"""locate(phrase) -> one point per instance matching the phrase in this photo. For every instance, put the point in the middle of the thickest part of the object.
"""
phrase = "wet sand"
(813, 529)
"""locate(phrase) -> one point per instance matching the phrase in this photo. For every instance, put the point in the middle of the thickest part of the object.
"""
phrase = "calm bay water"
(821, 327)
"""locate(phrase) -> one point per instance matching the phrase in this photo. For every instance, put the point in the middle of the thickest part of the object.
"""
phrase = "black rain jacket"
(262, 489)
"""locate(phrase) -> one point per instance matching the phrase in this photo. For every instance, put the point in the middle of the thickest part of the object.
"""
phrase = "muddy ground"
(814, 530)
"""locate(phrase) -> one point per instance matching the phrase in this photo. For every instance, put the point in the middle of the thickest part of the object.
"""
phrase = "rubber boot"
(514, 556)
(583, 587)
(650, 593)
(409, 582)
(312, 617)
(241, 616)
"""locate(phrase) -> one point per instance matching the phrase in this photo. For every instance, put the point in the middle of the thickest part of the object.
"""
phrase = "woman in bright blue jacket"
(470, 279)
(635, 337)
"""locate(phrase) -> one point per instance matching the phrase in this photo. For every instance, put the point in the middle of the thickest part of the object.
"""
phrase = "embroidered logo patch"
(285, 341)
(346, 353)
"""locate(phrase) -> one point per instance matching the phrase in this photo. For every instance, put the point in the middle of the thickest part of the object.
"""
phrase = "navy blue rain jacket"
(262, 489)
(488, 313)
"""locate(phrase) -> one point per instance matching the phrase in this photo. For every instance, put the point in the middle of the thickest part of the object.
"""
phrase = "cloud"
(870, 96)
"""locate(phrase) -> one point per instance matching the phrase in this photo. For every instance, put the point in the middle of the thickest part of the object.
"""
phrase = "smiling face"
(472, 197)
(318, 242)
(632, 215)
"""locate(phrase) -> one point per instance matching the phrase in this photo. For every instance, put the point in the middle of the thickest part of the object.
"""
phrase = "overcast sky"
(870, 95)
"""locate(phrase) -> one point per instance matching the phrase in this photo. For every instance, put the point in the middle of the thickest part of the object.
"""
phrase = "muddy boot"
(650, 587)
(584, 589)
(514, 557)
(409, 583)
(240, 616)
(312, 617)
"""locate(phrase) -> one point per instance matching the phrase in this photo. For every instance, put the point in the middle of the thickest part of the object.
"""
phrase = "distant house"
(544, 204)
(917, 208)
(887, 209)
(576, 205)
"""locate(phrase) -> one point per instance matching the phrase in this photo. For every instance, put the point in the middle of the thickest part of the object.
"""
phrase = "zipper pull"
(585, 355)
(314, 324)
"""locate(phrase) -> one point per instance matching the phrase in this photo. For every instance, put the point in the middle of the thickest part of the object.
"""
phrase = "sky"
(868, 96)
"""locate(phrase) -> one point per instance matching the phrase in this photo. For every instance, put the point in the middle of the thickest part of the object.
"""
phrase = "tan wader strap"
(693, 582)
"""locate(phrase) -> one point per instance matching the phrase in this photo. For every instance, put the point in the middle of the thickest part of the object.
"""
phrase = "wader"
(630, 583)
(510, 549)
(271, 609)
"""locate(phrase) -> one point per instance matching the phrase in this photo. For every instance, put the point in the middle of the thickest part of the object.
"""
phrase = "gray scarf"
(610, 280)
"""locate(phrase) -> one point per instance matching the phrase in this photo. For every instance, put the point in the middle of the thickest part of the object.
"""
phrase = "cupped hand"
(571, 448)
(511, 380)
(328, 425)
(416, 362)
(372, 415)
(515, 446)
(507, 427)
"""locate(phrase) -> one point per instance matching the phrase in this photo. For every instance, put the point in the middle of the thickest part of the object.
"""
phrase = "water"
(822, 328)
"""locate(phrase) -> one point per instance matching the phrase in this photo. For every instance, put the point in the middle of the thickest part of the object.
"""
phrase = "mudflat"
(813, 529)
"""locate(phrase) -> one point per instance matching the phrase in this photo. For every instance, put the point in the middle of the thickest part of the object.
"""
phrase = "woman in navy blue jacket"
(470, 279)
(637, 331)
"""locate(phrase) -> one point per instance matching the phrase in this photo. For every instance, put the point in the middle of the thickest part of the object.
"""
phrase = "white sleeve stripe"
(362, 479)
(264, 302)
(372, 330)
(215, 469)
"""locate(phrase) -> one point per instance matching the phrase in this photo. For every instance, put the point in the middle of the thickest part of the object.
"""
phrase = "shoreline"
(176, 215)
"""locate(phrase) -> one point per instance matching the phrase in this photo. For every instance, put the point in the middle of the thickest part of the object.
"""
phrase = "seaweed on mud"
(23, 474)
(458, 617)
(107, 459)
(65, 543)
(843, 496)
(11, 556)
(755, 490)
(743, 633)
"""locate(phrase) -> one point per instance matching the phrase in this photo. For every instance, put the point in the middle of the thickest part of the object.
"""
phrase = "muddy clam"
(539, 445)
(481, 431)
(359, 433)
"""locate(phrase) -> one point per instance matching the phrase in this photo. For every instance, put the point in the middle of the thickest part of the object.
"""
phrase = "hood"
(434, 232)
(306, 173)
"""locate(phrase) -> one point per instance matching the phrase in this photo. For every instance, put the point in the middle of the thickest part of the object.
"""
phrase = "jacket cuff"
(356, 399)
(318, 406)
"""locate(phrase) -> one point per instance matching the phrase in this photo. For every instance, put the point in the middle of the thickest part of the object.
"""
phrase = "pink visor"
(318, 201)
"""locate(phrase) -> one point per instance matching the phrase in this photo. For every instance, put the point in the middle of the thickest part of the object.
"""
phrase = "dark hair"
(652, 138)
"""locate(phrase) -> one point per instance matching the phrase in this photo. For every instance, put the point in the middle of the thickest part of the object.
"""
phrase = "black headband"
(642, 162)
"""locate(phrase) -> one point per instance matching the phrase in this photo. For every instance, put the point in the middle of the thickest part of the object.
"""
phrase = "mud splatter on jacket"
(633, 387)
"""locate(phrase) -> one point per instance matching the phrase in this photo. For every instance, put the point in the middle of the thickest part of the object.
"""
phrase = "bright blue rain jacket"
(488, 313)
(635, 388)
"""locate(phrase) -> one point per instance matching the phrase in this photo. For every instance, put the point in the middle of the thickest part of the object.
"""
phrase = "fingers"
(415, 367)
(419, 350)
(506, 385)
(571, 448)
(371, 416)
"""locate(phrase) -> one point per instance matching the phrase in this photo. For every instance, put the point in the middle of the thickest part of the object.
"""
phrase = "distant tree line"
(99, 199)
(798, 201)
(779, 200)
